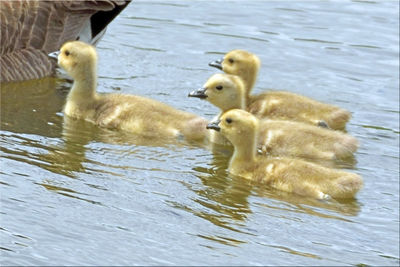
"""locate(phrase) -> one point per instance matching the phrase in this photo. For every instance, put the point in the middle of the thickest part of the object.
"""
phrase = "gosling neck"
(84, 87)
(246, 150)
(249, 78)
(238, 102)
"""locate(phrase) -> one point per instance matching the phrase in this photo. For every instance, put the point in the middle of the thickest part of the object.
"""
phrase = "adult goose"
(31, 29)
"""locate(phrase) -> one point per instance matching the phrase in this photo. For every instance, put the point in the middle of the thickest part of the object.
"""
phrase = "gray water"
(73, 194)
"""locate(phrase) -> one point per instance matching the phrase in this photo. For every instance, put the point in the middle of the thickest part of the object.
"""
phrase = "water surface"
(73, 194)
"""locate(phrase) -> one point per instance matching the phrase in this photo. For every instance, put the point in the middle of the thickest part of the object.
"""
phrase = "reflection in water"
(52, 141)
(295, 252)
(226, 195)
(300, 204)
(49, 185)
(33, 107)
(225, 198)
(68, 156)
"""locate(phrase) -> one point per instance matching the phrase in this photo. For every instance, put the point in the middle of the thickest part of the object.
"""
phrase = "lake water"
(73, 194)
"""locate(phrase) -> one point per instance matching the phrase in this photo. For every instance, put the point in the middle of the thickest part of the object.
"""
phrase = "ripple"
(169, 4)
(68, 193)
(267, 32)
(144, 48)
(133, 77)
(223, 240)
(149, 19)
(365, 46)
(4, 183)
(290, 9)
(6, 249)
(396, 131)
(295, 252)
(237, 36)
(138, 26)
(316, 41)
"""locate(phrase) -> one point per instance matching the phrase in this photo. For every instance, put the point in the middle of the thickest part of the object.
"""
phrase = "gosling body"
(131, 113)
(276, 137)
(289, 138)
(289, 106)
(286, 174)
(280, 104)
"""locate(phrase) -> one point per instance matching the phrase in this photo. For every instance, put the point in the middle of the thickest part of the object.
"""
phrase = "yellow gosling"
(280, 104)
(223, 91)
(277, 137)
(139, 115)
(286, 174)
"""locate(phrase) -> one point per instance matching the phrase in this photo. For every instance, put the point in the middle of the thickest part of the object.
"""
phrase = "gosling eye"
(67, 53)
(228, 120)
(219, 87)
(231, 60)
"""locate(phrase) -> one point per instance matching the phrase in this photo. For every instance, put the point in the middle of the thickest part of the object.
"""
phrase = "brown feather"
(32, 29)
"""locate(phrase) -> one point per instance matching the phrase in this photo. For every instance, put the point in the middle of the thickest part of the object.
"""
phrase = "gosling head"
(238, 62)
(236, 125)
(77, 58)
(222, 90)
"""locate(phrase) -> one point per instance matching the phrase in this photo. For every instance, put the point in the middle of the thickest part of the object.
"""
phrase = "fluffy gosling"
(276, 137)
(286, 174)
(279, 104)
(136, 114)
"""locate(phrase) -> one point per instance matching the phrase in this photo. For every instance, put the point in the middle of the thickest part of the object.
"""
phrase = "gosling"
(280, 104)
(276, 137)
(286, 174)
(136, 114)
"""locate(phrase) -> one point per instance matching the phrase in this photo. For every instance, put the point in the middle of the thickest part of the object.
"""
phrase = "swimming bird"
(279, 104)
(223, 91)
(136, 114)
(286, 174)
(32, 29)
(276, 137)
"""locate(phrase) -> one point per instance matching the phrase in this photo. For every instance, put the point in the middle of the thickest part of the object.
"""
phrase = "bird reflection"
(315, 207)
(68, 156)
(32, 107)
(225, 198)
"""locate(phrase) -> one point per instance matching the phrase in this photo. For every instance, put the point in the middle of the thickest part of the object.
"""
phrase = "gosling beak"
(214, 125)
(216, 64)
(200, 93)
(54, 54)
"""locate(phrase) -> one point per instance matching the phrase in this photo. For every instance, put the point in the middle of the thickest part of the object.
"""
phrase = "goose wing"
(32, 29)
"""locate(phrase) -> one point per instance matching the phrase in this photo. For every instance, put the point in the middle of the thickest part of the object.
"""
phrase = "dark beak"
(214, 125)
(216, 64)
(200, 93)
(54, 54)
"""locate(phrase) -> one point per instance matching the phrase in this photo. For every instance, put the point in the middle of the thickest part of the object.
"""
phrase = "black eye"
(67, 53)
(228, 120)
(219, 87)
(231, 60)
